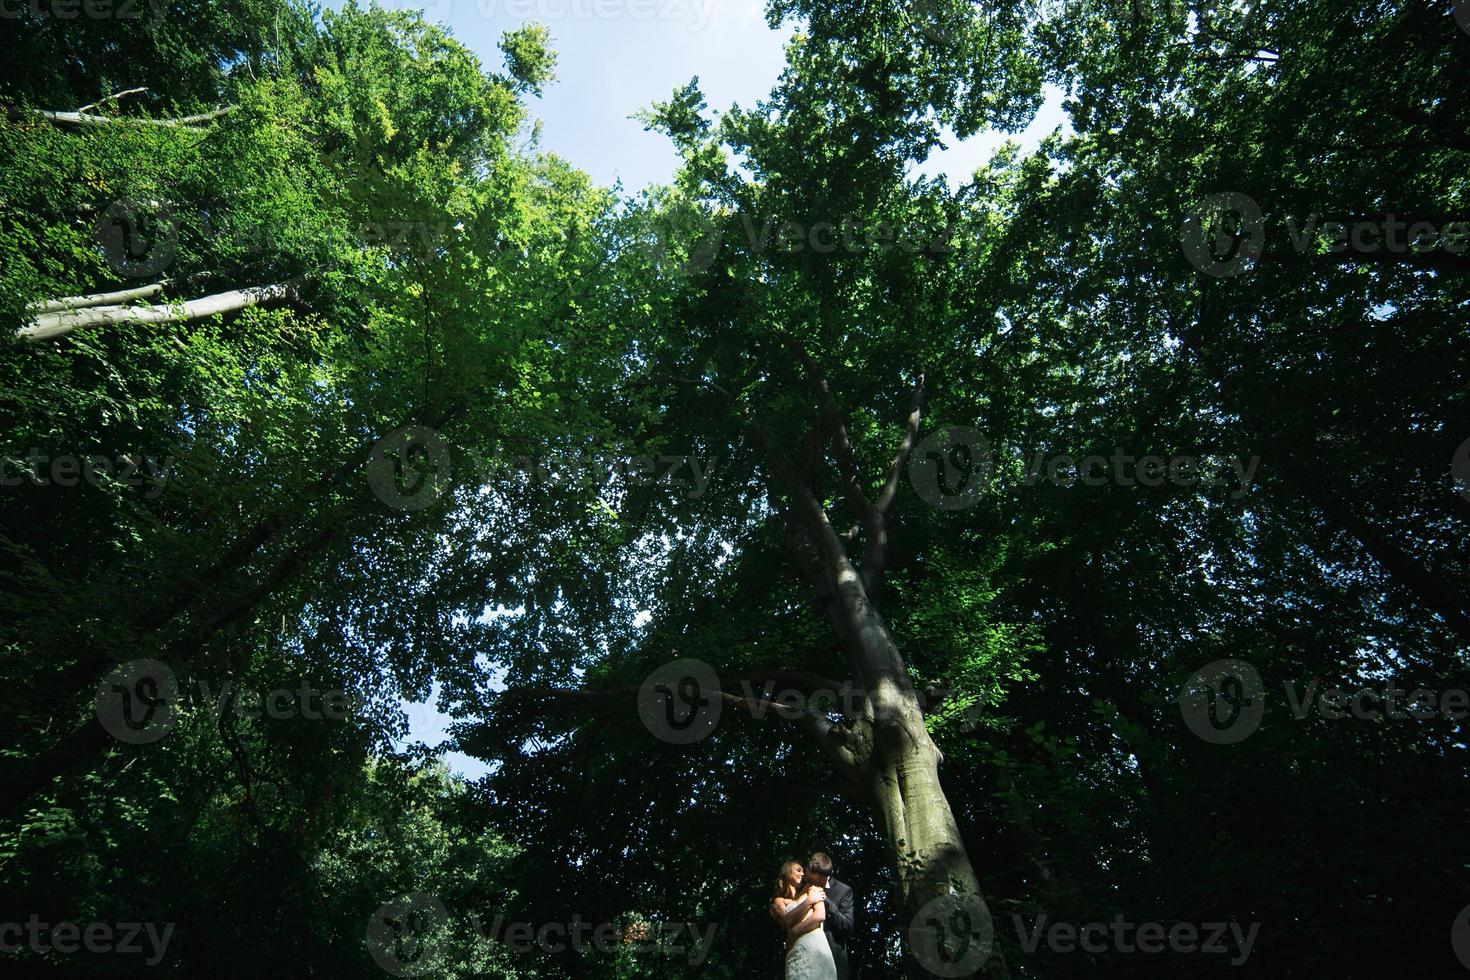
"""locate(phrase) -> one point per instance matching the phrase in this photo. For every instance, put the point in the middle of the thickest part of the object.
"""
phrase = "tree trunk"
(946, 924)
(945, 921)
(887, 751)
(884, 755)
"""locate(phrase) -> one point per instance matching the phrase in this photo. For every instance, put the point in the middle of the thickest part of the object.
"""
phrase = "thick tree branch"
(791, 679)
(852, 611)
(1436, 260)
(99, 299)
(847, 468)
(785, 469)
(736, 691)
(905, 446)
(1402, 567)
(85, 119)
(875, 553)
(830, 737)
(58, 324)
(113, 98)
(1449, 135)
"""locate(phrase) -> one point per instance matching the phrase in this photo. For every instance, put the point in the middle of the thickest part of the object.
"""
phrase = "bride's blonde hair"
(784, 890)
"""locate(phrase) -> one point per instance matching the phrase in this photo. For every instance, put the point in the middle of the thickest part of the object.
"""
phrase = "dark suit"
(838, 926)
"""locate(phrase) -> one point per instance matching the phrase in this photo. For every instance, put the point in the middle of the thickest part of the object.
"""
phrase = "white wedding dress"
(810, 958)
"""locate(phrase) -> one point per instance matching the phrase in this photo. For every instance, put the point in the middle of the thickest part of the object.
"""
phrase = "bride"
(800, 909)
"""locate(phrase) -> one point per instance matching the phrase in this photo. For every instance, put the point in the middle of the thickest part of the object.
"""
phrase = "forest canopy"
(1075, 552)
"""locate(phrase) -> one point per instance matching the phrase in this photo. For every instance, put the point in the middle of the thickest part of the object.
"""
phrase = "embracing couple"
(814, 910)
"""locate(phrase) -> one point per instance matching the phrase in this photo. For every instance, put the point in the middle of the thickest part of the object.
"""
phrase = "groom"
(839, 909)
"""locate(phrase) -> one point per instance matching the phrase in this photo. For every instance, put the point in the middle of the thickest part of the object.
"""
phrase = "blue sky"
(617, 57)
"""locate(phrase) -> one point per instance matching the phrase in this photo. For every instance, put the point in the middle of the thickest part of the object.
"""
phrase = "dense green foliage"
(442, 275)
